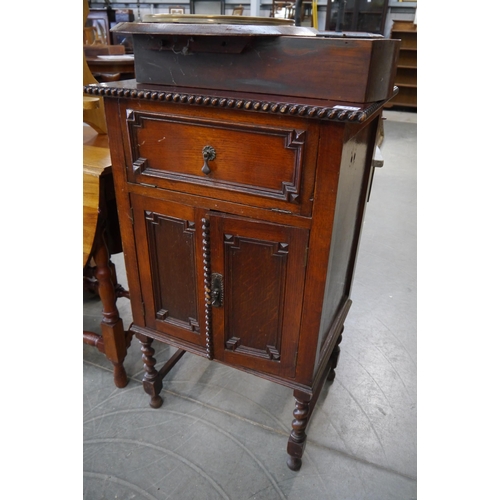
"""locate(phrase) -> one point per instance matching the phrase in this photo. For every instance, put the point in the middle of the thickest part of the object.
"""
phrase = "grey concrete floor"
(222, 433)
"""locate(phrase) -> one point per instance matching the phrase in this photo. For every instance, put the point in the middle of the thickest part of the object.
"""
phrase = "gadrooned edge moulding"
(340, 113)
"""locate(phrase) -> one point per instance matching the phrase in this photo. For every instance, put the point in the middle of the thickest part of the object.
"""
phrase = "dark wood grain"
(172, 60)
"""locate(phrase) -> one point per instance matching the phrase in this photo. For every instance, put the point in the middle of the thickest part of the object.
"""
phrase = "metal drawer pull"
(208, 155)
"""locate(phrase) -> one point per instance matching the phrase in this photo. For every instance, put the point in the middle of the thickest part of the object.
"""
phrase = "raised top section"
(287, 61)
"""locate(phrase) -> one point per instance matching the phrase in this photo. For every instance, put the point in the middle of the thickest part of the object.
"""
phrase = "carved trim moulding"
(338, 113)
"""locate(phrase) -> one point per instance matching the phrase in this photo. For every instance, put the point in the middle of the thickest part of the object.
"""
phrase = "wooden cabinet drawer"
(259, 163)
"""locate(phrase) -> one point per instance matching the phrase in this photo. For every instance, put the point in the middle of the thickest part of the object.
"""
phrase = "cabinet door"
(169, 256)
(257, 277)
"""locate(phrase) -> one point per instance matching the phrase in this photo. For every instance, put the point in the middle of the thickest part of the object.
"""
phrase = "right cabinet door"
(257, 285)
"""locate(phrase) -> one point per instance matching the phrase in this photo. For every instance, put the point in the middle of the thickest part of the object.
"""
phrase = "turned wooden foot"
(152, 380)
(120, 375)
(298, 437)
(294, 463)
(155, 402)
(304, 407)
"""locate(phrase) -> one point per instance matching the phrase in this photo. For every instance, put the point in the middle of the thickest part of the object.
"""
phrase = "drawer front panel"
(229, 160)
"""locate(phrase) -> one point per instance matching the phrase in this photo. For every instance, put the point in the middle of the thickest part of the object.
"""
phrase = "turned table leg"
(297, 439)
(304, 407)
(152, 380)
(113, 335)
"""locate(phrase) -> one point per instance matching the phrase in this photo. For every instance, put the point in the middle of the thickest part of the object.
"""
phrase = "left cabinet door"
(169, 251)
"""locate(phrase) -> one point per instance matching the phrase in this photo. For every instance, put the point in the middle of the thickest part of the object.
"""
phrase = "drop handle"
(208, 155)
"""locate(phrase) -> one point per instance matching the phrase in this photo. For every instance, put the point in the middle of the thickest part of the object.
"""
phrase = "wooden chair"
(283, 10)
(101, 234)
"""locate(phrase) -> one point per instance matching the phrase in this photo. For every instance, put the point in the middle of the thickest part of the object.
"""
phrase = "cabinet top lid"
(216, 19)
(192, 24)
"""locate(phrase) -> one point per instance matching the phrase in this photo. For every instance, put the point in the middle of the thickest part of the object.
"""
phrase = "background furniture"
(406, 75)
(359, 15)
(100, 20)
(176, 10)
(101, 233)
(101, 45)
(109, 62)
(101, 238)
(203, 5)
(395, 10)
(121, 16)
(280, 9)
(399, 11)
(112, 68)
(241, 211)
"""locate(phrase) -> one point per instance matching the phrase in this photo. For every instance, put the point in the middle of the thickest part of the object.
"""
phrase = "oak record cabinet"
(241, 215)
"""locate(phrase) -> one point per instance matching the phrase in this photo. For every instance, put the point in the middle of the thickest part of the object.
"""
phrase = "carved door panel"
(257, 275)
(169, 253)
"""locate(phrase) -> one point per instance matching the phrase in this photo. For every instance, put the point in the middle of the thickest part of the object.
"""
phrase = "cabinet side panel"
(351, 198)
